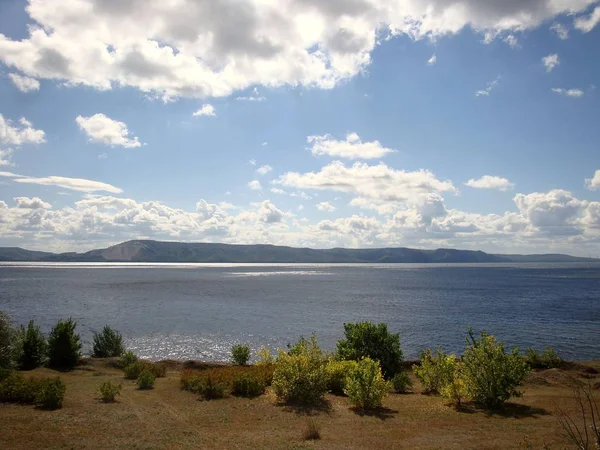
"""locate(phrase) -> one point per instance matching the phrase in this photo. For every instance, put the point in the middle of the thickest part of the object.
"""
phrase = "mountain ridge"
(141, 250)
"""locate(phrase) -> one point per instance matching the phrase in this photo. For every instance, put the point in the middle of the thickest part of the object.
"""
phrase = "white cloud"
(255, 185)
(550, 62)
(490, 182)
(561, 31)
(278, 191)
(512, 41)
(351, 148)
(102, 129)
(22, 134)
(252, 162)
(264, 143)
(490, 85)
(325, 206)
(6, 157)
(587, 24)
(556, 211)
(263, 170)
(568, 92)
(594, 182)
(76, 184)
(31, 203)
(23, 83)
(431, 61)
(206, 110)
(269, 213)
(255, 97)
(211, 49)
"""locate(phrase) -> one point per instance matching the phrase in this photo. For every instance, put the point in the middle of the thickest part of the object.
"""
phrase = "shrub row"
(48, 393)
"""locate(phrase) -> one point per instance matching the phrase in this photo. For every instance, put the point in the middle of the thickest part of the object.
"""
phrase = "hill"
(157, 251)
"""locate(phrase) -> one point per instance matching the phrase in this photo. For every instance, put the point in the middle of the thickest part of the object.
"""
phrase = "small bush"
(51, 393)
(337, 372)
(491, 374)
(134, 370)
(264, 356)
(365, 386)
(240, 354)
(63, 345)
(109, 391)
(366, 340)
(401, 382)
(212, 389)
(33, 347)
(226, 376)
(548, 359)
(300, 376)
(435, 371)
(248, 386)
(9, 342)
(146, 380)
(108, 343)
(312, 432)
(456, 389)
(15, 388)
(127, 359)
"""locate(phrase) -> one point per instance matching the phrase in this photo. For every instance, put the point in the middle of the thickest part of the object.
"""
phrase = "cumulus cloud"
(269, 213)
(556, 211)
(561, 31)
(490, 182)
(31, 203)
(568, 92)
(263, 170)
(23, 83)
(103, 130)
(550, 62)
(202, 48)
(587, 24)
(351, 148)
(255, 185)
(594, 182)
(19, 134)
(278, 191)
(431, 61)
(206, 110)
(6, 157)
(325, 206)
(490, 85)
(75, 184)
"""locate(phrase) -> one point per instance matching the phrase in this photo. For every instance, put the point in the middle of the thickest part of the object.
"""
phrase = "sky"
(355, 123)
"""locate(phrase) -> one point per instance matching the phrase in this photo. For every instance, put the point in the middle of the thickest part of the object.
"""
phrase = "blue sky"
(367, 118)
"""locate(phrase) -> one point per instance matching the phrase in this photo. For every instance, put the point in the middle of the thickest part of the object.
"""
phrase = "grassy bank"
(168, 417)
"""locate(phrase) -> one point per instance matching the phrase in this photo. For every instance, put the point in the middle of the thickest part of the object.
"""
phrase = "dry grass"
(169, 418)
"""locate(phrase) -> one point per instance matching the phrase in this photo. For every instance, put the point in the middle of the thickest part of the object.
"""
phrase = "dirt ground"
(168, 418)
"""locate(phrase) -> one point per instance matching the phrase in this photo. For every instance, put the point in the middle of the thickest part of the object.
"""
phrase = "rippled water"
(198, 311)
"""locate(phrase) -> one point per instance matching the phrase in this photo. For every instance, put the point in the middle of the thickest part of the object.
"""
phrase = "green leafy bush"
(33, 347)
(548, 359)
(109, 391)
(240, 354)
(365, 386)
(63, 345)
(108, 343)
(146, 380)
(435, 371)
(456, 389)
(51, 393)
(226, 376)
(264, 356)
(9, 342)
(337, 372)
(212, 389)
(248, 386)
(127, 359)
(401, 382)
(491, 374)
(300, 376)
(133, 371)
(366, 340)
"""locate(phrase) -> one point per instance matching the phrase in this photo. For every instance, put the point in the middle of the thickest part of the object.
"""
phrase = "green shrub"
(133, 371)
(51, 393)
(365, 386)
(366, 340)
(301, 376)
(127, 359)
(146, 380)
(212, 389)
(109, 391)
(435, 371)
(108, 343)
(264, 356)
(401, 382)
(240, 354)
(9, 342)
(15, 388)
(63, 345)
(226, 376)
(248, 386)
(456, 389)
(33, 347)
(548, 359)
(337, 372)
(491, 374)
